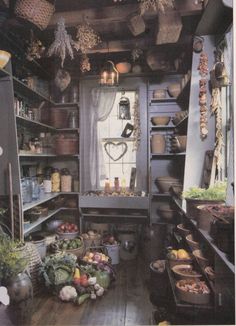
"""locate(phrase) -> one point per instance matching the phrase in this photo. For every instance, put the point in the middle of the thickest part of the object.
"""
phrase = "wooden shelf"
(42, 155)
(163, 127)
(39, 221)
(68, 104)
(153, 156)
(29, 123)
(183, 306)
(23, 90)
(157, 194)
(163, 100)
(43, 199)
(206, 237)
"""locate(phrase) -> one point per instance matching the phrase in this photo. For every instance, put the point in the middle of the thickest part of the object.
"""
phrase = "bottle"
(123, 185)
(47, 183)
(73, 120)
(116, 184)
(107, 187)
(35, 188)
(66, 180)
(55, 178)
(26, 189)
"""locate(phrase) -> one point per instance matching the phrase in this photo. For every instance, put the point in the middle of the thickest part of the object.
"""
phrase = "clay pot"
(178, 143)
(123, 67)
(158, 144)
(160, 121)
(174, 89)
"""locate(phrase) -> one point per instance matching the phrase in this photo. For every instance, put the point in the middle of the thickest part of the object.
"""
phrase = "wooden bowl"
(202, 261)
(160, 121)
(174, 89)
(166, 213)
(210, 273)
(194, 245)
(191, 297)
(68, 235)
(185, 275)
(4, 58)
(182, 230)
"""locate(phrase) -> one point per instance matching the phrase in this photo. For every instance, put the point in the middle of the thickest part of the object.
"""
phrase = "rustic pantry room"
(116, 162)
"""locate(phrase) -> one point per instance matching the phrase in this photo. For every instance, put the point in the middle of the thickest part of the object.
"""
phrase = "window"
(114, 145)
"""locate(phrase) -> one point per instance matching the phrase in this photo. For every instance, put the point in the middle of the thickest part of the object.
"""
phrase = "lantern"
(124, 108)
(109, 75)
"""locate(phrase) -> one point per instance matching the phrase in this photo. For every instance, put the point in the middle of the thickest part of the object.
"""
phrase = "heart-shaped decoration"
(117, 145)
(62, 79)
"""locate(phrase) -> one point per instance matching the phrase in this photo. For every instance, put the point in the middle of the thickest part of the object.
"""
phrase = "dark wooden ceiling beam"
(115, 13)
(130, 44)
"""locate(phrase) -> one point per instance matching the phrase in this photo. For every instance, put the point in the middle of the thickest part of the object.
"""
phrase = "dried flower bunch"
(84, 63)
(87, 38)
(62, 45)
(156, 5)
(137, 128)
(216, 108)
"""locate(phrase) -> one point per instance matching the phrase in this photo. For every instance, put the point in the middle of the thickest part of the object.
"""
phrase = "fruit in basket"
(67, 228)
(95, 258)
(68, 244)
(182, 254)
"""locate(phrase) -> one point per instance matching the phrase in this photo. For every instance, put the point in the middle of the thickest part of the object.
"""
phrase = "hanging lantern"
(109, 75)
(124, 108)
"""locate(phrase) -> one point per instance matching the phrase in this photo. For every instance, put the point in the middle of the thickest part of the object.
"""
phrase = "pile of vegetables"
(76, 282)
(67, 244)
(216, 192)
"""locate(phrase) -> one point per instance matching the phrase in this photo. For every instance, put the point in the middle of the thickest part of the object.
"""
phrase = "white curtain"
(101, 105)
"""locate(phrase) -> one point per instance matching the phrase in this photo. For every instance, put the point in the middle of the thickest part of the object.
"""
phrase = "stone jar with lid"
(66, 180)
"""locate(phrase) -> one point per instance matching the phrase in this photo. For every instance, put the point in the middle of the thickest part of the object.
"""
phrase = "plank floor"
(125, 303)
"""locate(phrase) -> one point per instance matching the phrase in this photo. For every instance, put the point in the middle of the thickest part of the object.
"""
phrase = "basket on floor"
(34, 265)
(38, 12)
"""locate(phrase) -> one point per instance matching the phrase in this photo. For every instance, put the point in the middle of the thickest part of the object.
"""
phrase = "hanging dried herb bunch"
(216, 108)
(87, 38)
(62, 45)
(85, 63)
(137, 128)
(156, 5)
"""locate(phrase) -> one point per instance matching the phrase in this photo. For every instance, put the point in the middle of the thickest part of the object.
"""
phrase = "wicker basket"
(38, 12)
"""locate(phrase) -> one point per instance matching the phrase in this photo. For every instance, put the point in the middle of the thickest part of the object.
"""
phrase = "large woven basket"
(38, 12)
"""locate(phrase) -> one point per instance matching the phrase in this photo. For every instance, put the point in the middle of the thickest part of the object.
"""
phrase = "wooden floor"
(125, 303)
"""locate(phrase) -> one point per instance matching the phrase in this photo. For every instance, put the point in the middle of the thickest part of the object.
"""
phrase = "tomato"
(84, 280)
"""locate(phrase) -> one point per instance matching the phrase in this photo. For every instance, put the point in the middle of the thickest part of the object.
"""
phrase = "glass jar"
(73, 120)
(116, 184)
(26, 190)
(35, 188)
(55, 178)
(66, 181)
(35, 145)
(47, 184)
(107, 187)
